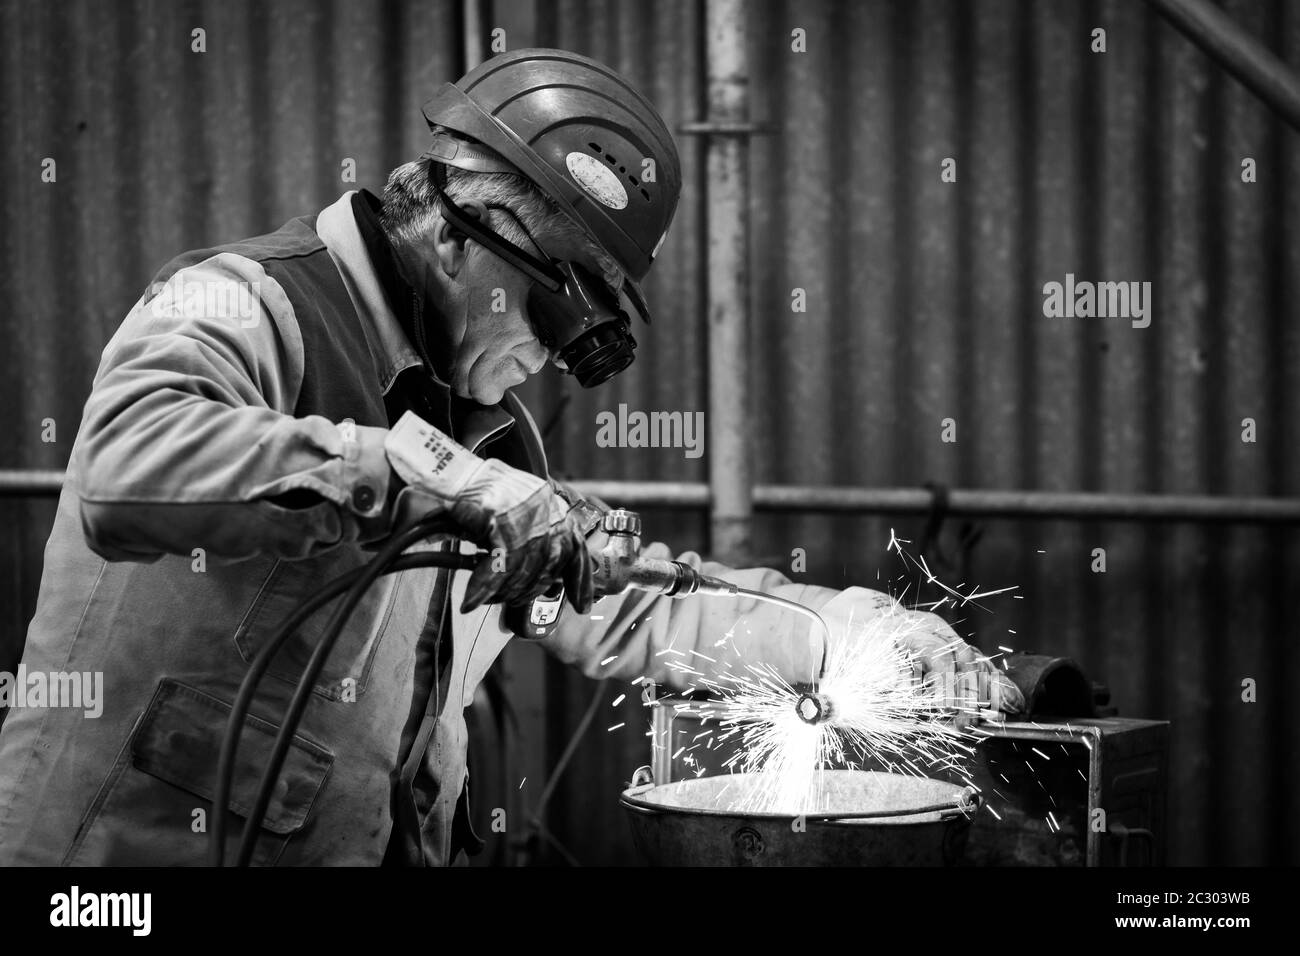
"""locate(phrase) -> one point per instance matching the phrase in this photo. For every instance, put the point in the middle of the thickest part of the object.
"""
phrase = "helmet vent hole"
(596, 148)
(632, 179)
(612, 160)
(646, 194)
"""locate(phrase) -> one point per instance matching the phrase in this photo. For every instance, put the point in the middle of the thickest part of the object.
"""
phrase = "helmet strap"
(536, 269)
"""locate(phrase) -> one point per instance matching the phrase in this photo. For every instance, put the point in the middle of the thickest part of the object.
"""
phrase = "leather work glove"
(517, 517)
(926, 637)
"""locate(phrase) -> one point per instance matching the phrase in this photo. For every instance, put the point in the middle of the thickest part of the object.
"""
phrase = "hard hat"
(582, 134)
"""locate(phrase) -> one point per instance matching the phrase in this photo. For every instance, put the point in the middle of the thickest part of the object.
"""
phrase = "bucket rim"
(966, 801)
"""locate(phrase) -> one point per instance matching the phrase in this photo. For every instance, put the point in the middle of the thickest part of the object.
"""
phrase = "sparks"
(869, 709)
(870, 706)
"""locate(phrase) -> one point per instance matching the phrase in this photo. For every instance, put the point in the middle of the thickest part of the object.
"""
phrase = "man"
(241, 445)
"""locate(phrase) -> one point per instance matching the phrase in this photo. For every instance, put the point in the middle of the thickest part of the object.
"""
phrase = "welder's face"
(484, 299)
(498, 349)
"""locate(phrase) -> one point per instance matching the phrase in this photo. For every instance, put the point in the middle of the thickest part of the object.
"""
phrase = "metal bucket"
(869, 819)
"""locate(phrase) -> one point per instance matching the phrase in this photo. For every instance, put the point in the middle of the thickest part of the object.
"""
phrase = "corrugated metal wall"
(924, 303)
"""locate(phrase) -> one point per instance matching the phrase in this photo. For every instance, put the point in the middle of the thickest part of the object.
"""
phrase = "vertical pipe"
(731, 470)
(473, 32)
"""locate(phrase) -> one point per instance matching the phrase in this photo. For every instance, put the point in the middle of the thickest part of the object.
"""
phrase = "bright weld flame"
(879, 713)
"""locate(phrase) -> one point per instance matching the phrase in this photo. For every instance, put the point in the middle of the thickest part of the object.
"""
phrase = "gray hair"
(412, 207)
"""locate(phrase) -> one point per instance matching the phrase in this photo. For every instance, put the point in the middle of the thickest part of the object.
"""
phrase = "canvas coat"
(213, 485)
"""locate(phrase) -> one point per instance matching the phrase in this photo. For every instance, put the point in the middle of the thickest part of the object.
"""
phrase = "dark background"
(924, 302)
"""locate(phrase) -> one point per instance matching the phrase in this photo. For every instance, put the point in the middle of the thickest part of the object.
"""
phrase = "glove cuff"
(425, 457)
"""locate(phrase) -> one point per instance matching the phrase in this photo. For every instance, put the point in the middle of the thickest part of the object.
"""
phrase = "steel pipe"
(21, 483)
(1087, 506)
(731, 460)
(1237, 51)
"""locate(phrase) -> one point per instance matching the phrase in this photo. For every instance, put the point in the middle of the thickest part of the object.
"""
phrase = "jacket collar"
(390, 313)
(389, 346)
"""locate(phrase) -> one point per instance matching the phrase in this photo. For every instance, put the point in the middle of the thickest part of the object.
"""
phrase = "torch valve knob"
(622, 521)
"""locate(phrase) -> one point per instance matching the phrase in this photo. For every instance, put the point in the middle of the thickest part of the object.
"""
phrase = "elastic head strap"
(536, 269)
(446, 150)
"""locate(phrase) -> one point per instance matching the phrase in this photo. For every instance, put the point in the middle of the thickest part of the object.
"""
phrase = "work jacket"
(214, 483)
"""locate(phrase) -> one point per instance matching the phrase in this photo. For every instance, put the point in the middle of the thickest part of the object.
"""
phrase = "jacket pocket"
(347, 669)
(154, 808)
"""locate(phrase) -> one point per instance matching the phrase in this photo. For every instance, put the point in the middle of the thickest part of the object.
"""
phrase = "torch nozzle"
(814, 708)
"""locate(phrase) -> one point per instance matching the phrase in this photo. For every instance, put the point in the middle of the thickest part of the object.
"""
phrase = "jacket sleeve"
(188, 438)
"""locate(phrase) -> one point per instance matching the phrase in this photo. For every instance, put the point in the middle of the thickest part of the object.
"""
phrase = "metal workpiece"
(1079, 792)
(814, 708)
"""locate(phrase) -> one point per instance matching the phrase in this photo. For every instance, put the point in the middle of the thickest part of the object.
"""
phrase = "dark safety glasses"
(576, 315)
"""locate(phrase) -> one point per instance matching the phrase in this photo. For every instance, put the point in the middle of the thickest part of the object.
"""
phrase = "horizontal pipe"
(1001, 504)
(1092, 506)
(18, 483)
(1239, 52)
(657, 494)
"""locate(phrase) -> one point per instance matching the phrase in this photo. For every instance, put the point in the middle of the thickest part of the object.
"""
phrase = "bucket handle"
(967, 802)
(643, 779)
